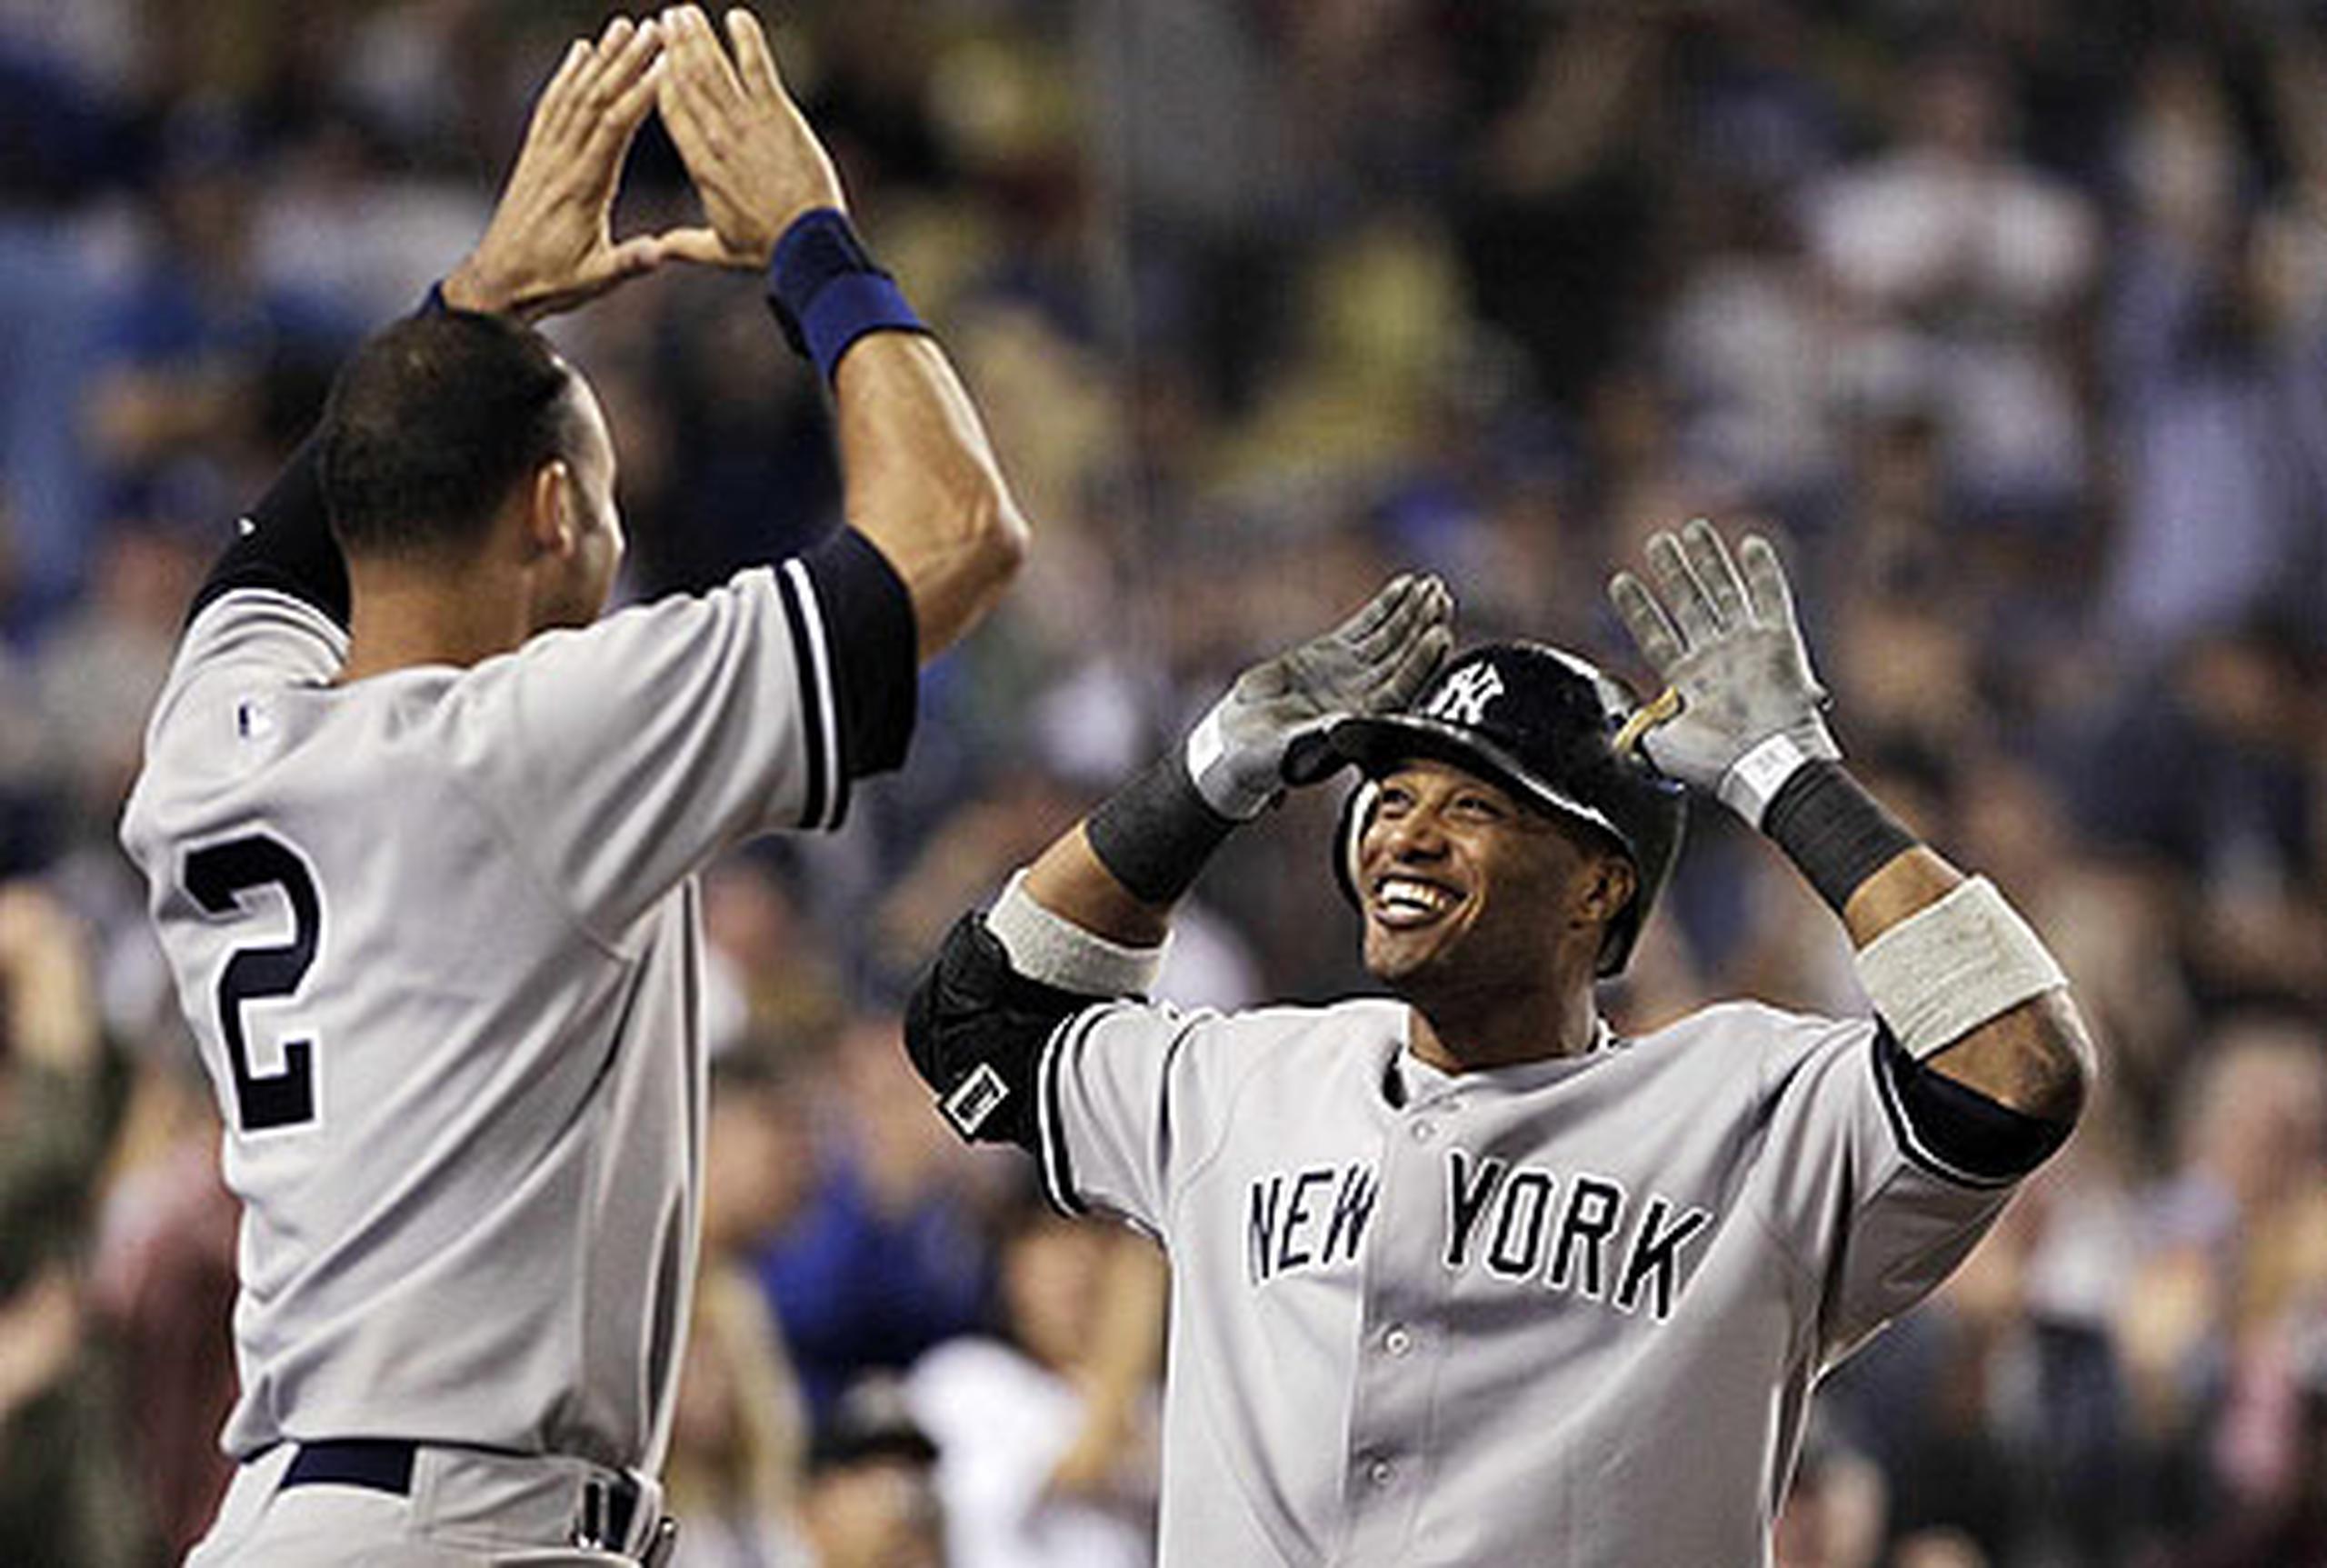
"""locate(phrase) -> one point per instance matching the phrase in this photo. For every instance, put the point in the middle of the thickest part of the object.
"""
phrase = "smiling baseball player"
(1460, 1275)
(421, 829)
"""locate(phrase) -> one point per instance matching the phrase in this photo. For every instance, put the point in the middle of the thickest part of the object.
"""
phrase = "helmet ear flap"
(1357, 811)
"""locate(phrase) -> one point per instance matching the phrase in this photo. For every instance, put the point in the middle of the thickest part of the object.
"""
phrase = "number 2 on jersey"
(217, 876)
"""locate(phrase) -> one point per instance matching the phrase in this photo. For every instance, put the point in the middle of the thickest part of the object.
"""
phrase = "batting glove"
(1268, 732)
(1740, 710)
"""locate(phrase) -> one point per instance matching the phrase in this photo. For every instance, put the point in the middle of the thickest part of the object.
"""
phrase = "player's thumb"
(634, 256)
(695, 246)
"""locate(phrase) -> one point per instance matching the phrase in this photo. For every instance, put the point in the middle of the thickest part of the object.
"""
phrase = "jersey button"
(1425, 1130)
(1397, 1340)
(1381, 1473)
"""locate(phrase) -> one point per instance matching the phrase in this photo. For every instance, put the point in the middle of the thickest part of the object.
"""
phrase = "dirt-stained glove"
(1268, 732)
(1741, 710)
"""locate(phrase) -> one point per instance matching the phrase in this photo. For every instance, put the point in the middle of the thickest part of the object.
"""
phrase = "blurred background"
(2008, 319)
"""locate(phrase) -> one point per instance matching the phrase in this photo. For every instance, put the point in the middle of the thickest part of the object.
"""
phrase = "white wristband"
(1055, 951)
(1755, 779)
(1953, 965)
(1206, 754)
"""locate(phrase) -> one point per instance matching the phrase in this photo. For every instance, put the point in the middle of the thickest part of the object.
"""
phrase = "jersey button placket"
(1428, 1122)
(1390, 1393)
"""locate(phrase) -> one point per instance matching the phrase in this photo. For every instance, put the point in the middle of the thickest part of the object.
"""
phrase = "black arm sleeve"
(1964, 1129)
(878, 656)
(286, 545)
(976, 1029)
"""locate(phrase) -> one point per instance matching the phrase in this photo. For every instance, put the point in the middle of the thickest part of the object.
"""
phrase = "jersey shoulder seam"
(335, 636)
(1241, 1080)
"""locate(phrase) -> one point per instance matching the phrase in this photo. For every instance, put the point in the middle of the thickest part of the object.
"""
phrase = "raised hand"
(550, 243)
(1268, 732)
(1730, 651)
(755, 162)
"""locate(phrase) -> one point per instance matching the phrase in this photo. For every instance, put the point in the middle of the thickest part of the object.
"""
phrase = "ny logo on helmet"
(1463, 699)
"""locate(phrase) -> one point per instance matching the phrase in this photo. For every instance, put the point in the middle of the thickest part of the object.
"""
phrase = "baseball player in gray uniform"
(420, 831)
(1460, 1275)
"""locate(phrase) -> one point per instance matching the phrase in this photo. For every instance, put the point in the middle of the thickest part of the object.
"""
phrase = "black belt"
(381, 1464)
(609, 1504)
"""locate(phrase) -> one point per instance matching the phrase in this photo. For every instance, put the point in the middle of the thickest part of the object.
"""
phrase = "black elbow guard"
(976, 1028)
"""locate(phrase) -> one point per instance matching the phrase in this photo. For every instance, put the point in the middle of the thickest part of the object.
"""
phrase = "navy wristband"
(826, 292)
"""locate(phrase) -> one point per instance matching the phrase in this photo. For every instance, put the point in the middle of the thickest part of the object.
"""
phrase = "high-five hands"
(550, 245)
(754, 161)
(1741, 708)
(756, 164)
(1268, 732)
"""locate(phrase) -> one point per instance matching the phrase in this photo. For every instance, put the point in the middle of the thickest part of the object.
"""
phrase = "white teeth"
(1398, 893)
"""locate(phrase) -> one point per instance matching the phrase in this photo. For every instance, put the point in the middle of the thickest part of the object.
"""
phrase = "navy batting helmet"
(1542, 724)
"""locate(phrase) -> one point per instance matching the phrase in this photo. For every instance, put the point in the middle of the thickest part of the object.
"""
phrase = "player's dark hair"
(432, 424)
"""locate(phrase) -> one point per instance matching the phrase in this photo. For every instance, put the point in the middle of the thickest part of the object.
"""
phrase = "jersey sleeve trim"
(311, 616)
(875, 648)
(1953, 1132)
(1058, 1165)
(824, 796)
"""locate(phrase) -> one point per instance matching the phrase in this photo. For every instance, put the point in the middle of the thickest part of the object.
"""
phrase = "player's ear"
(1607, 889)
(551, 526)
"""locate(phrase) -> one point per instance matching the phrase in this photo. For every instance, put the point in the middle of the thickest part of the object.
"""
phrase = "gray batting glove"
(1730, 651)
(1268, 732)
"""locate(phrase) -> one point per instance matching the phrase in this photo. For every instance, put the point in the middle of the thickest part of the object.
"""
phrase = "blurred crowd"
(2007, 317)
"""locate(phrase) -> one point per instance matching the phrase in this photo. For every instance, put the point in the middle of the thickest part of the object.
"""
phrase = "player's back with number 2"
(410, 1001)
(419, 829)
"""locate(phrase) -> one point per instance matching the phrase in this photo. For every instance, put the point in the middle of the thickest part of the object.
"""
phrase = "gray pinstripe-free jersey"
(1569, 1312)
(435, 933)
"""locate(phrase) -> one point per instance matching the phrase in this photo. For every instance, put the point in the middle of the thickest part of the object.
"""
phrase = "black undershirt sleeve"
(876, 650)
(1981, 1138)
(285, 544)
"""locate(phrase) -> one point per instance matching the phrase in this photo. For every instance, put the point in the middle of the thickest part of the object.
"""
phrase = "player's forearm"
(1091, 916)
(1073, 883)
(2033, 1056)
(922, 483)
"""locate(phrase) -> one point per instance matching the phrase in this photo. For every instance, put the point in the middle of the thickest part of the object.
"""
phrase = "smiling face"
(1469, 892)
